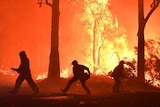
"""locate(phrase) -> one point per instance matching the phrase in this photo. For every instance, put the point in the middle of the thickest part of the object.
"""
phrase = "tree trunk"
(141, 23)
(94, 48)
(54, 66)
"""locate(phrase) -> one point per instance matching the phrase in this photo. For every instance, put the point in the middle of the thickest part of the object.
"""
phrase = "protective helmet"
(121, 62)
(22, 53)
(74, 62)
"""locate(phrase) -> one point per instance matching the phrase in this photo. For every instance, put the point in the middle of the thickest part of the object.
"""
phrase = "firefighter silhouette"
(78, 71)
(24, 74)
(117, 74)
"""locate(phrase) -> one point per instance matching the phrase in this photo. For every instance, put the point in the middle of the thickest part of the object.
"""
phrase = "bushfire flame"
(7, 72)
(106, 42)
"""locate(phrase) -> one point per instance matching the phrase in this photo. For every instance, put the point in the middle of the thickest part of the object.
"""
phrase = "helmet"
(121, 62)
(22, 53)
(74, 62)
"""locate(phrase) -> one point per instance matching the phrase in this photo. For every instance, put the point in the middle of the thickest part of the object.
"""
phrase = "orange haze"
(25, 26)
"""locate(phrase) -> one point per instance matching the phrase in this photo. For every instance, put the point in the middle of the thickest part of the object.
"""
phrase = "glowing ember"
(7, 72)
(64, 73)
(152, 79)
(42, 76)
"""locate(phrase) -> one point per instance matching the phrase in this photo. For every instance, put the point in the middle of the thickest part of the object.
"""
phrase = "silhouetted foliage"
(130, 69)
(152, 59)
(152, 51)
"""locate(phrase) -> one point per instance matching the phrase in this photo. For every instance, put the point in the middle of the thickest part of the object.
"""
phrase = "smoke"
(25, 26)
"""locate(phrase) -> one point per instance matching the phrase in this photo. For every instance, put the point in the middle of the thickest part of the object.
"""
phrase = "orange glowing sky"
(25, 26)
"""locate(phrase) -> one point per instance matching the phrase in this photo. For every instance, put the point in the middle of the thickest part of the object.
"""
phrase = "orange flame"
(107, 42)
(7, 72)
(64, 73)
(41, 76)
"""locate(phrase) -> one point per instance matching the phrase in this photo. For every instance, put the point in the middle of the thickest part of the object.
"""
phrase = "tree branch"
(49, 4)
(151, 11)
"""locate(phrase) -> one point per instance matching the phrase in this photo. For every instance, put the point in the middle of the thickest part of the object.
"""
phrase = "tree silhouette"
(54, 66)
(142, 22)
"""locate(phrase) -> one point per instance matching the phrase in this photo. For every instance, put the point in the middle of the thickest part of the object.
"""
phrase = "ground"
(134, 94)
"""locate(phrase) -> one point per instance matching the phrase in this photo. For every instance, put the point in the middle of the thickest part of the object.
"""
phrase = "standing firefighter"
(117, 74)
(78, 71)
(24, 74)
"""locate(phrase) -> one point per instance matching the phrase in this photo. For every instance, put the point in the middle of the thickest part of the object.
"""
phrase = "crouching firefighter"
(79, 74)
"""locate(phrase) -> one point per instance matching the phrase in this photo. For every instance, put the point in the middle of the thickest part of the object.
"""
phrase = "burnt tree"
(54, 66)
(142, 20)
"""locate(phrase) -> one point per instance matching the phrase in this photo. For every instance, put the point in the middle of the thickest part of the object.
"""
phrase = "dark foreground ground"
(58, 100)
(134, 95)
